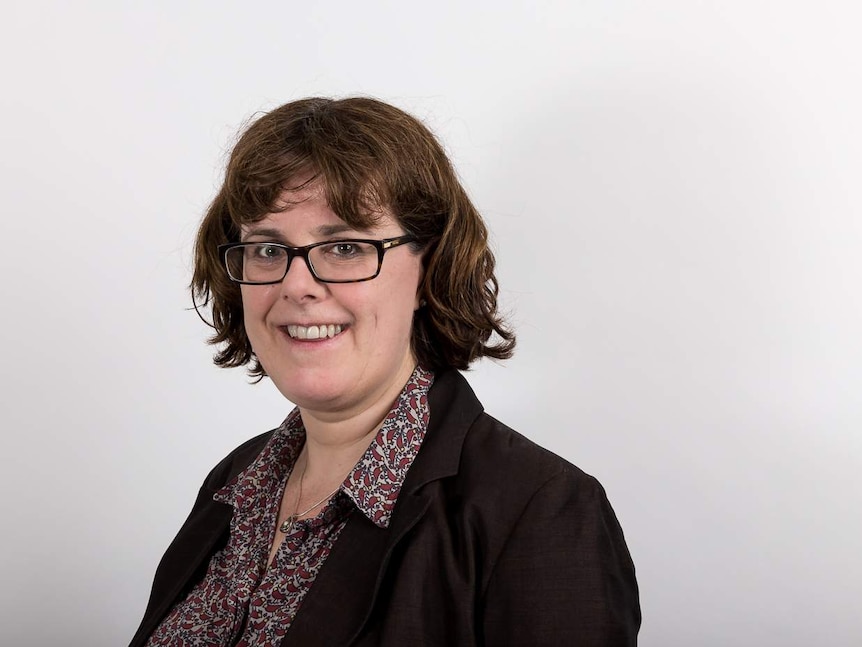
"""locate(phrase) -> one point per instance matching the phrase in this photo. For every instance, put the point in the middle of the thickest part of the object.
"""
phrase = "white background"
(673, 189)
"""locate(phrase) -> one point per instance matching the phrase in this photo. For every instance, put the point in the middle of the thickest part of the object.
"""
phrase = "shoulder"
(510, 472)
(236, 461)
(487, 457)
(493, 443)
(552, 565)
(555, 554)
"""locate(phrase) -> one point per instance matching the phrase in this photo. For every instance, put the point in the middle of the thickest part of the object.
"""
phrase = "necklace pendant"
(287, 523)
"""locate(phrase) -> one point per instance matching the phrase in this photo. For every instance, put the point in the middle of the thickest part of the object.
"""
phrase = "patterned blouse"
(240, 602)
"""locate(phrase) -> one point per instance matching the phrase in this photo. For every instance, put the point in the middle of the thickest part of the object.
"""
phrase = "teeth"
(321, 331)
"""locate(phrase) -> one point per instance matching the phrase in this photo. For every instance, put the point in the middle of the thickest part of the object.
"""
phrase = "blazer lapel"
(189, 552)
(340, 602)
(337, 607)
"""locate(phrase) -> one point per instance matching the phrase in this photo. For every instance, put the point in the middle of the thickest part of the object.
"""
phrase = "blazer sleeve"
(564, 575)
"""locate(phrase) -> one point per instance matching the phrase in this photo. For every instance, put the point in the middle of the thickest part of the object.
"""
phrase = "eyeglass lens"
(344, 260)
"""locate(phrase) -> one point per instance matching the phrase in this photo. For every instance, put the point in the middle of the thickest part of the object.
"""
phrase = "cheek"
(400, 306)
(256, 303)
(387, 312)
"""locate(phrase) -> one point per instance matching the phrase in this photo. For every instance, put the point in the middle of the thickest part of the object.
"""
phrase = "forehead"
(304, 212)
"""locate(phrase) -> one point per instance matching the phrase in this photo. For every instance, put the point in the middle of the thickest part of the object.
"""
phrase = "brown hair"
(368, 156)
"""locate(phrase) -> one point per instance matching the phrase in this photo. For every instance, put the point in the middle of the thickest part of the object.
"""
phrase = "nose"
(299, 284)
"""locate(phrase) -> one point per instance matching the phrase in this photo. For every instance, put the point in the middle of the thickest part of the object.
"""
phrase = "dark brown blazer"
(494, 541)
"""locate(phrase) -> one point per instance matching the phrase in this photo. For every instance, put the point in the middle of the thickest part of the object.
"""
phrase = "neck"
(335, 442)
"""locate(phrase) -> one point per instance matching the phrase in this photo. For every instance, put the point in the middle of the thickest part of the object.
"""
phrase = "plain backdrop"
(673, 189)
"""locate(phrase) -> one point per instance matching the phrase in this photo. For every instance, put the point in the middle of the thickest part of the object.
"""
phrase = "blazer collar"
(454, 407)
(344, 593)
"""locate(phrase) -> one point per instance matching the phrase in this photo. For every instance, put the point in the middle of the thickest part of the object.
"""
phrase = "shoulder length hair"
(368, 156)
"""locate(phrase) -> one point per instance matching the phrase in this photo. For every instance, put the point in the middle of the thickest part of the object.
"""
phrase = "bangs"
(265, 170)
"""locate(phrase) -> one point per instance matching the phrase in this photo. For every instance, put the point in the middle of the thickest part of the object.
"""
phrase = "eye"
(264, 252)
(343, 250)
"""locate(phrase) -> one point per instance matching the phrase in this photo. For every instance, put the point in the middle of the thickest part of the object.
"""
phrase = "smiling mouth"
(321, 331)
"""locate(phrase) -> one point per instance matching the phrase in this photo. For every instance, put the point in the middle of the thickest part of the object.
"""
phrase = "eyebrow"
(262, 231)
(331, 230)
(323, 231)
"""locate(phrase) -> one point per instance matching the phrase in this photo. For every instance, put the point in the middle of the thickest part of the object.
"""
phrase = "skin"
(344, 385)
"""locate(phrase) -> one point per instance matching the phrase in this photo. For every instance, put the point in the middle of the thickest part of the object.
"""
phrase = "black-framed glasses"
(332, 261)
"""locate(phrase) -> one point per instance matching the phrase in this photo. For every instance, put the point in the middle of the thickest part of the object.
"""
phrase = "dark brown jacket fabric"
(494, 541)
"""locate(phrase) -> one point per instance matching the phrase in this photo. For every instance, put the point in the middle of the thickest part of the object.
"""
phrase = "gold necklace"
(291, 519)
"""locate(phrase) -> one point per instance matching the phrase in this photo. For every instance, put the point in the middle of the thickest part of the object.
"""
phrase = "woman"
(342, 259)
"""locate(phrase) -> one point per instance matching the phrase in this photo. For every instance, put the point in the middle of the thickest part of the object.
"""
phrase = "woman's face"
(371, 358)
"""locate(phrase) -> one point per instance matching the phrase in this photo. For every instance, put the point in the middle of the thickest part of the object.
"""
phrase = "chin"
(310, 392)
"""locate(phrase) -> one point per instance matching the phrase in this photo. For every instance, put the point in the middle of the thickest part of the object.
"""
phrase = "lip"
(312, 332)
